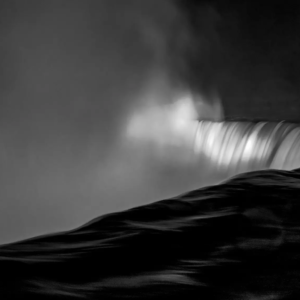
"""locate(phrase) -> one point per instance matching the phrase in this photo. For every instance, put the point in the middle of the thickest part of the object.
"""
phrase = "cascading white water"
(247, 146)
(175, 134)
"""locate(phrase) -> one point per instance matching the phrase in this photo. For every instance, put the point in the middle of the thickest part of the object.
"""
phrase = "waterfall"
(245, 146)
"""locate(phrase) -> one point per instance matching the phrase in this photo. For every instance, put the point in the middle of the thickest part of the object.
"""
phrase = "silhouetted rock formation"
(236, 240)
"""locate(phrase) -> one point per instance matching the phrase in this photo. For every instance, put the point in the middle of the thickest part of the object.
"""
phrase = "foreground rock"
(236, 240)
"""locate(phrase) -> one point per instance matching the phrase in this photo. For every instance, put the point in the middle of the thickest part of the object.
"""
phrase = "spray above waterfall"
(170, 129)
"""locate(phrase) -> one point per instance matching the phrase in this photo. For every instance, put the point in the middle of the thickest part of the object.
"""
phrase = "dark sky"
(72, 71)
(252, 58)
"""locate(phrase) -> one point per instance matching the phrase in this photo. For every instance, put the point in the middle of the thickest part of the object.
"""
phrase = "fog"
(72, 74)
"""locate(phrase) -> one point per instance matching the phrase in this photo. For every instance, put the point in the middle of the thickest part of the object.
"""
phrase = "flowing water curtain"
(244, 146)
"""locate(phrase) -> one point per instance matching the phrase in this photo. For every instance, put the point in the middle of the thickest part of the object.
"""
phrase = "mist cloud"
(72, 72)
